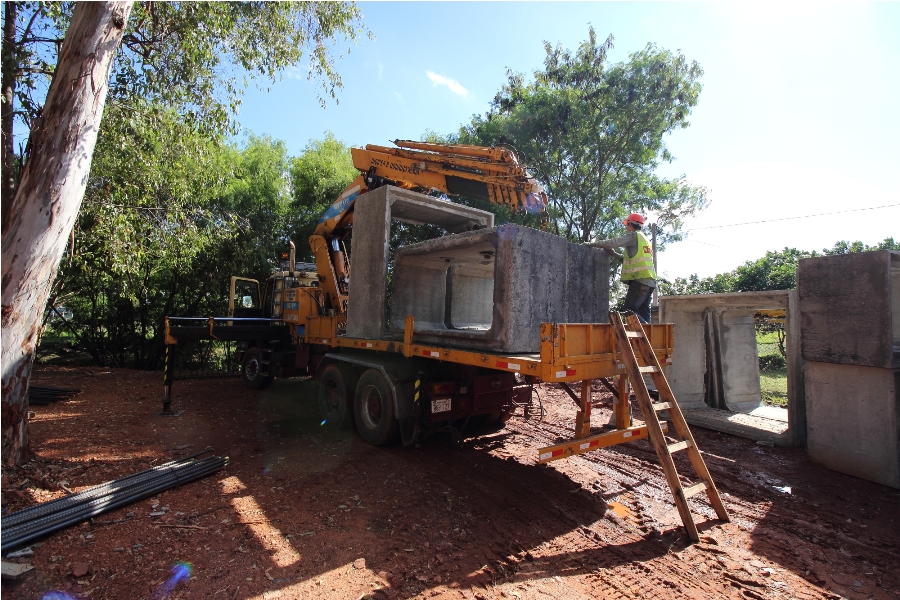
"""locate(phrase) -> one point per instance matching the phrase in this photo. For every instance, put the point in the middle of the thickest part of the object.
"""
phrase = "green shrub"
(772, 362)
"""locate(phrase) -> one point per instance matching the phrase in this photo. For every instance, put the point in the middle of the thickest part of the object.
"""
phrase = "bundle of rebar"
(37, 521)
(42, 395)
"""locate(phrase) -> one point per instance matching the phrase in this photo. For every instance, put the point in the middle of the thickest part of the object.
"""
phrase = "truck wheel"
(251, 370)
(374, 410)
(335, 396)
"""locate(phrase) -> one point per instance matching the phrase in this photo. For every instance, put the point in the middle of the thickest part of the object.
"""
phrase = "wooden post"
(621, 408)
(583, 417)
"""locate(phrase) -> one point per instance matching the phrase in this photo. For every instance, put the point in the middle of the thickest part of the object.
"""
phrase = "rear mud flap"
(409, 413)
(410, 432)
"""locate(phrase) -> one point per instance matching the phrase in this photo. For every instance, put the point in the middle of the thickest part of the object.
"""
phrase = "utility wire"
(839, 212)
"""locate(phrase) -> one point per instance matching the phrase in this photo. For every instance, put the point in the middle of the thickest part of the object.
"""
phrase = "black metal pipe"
(103, 500)
(93, 492)
(100, 500)
(32, 530)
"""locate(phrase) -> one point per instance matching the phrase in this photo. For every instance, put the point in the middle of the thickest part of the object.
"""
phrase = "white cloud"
(380, 70)
(293, 72)
(399, 97)
(452, 84)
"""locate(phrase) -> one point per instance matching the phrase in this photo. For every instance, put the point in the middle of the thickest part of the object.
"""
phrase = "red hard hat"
(634, 217)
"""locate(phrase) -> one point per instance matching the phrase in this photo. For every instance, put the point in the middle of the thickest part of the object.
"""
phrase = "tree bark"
(8, 84)
(48, 198)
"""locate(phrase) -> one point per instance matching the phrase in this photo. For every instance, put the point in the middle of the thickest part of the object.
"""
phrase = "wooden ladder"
(632, 343)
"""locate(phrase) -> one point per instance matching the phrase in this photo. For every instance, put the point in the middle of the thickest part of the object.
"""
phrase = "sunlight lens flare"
(180, 572)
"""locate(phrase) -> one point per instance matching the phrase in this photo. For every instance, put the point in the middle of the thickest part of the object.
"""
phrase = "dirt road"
(307, 512)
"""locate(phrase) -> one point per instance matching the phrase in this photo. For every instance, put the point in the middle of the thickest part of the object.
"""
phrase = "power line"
(839, 212)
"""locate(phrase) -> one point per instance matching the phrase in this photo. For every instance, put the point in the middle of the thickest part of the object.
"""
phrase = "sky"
(798, 116)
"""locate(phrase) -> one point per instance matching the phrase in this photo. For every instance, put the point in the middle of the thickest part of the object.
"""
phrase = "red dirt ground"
(307, 512)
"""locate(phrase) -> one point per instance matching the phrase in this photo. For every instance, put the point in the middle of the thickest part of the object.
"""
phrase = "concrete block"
(850, 308)
(853, 422)
(491, 289)
(715, 363)
(373, 213)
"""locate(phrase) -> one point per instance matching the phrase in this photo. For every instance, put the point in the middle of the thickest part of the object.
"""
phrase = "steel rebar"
(92, 492)
(38, 521)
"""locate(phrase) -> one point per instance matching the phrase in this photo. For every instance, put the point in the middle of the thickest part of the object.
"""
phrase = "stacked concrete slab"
(850, 338)
(491, 289)
(715, 369)
(373, 213)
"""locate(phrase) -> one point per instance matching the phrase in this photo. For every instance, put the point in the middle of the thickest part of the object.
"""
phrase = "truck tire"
(335, 396)
(251, 370)
(374, 409)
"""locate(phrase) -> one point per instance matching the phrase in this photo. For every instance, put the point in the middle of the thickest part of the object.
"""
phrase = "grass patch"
(773, 387)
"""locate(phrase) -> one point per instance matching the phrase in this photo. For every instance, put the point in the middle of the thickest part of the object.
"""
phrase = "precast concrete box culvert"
(491, 289)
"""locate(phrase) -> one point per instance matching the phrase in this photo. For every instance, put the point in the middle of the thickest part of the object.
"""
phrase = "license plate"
(441, 405)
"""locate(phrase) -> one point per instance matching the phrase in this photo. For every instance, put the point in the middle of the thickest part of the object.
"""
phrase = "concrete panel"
(373, 212)
(505, 282)
(853, 423)
(714, 361)
(740, 364)
(848, 308)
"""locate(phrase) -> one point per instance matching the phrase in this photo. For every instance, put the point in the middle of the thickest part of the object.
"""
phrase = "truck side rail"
(570, 352)
(226, 329)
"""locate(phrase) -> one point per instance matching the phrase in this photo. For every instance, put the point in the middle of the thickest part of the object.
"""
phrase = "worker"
(637, 265)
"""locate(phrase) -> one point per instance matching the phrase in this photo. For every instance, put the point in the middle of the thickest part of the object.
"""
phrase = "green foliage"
(193, 57)
(189, 54)
(592, 133)
(145, 220)
(169, 216)
(318, 176)
(774, 271)
(258, 197)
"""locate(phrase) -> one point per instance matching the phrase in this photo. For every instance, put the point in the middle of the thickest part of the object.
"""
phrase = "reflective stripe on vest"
(639, 266)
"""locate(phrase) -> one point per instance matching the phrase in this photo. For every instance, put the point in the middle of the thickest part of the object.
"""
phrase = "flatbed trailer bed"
(569, 353)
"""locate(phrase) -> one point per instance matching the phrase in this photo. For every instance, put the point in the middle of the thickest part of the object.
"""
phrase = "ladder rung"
(679, 446)
(661, 406)
(694, 489)
(648, 369)
(634, 334)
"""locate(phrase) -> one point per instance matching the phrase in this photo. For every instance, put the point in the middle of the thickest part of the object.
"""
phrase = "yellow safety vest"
(639, 266)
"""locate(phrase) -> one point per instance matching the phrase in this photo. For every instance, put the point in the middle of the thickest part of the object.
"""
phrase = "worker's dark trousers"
(637, 300)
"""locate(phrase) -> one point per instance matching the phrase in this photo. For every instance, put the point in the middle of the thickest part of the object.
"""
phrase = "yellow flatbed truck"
(391, 387)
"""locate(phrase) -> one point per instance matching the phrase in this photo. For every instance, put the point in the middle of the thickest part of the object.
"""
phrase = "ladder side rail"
(680, 424)
(639, 388)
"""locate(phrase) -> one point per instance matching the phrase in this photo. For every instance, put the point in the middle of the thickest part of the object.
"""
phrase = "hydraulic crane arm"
(492, 174)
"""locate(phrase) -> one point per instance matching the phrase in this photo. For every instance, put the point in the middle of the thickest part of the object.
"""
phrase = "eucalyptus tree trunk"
(8, 85)
(48, 198)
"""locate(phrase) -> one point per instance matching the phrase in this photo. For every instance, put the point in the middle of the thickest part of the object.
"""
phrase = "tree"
(48, 197)
(195, 57)
(318, 176)
(174, 55)
(148, 221)
(592, 133)
(774, 271)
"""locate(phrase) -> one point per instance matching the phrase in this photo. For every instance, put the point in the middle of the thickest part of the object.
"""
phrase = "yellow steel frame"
(570, 352)
(594, 442)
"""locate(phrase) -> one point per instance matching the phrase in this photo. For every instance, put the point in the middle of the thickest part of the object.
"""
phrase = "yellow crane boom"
(489, 173)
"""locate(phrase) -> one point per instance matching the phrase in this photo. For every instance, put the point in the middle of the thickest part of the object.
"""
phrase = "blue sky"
(798, 115)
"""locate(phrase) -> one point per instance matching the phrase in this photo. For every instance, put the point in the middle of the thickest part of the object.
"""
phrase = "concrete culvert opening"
(736, 363)
(454, 288)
